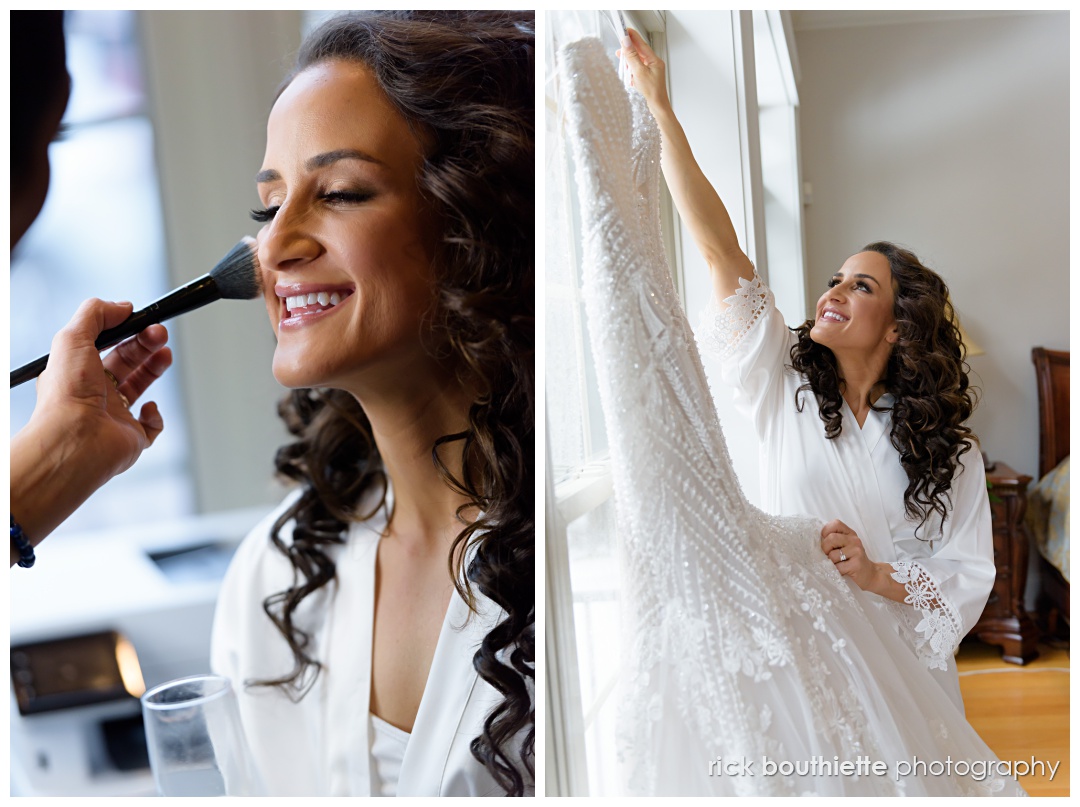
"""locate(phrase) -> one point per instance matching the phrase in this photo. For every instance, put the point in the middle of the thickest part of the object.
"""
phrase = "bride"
(771, 654)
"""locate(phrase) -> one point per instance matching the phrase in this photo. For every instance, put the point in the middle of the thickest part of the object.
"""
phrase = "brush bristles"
(237, 274)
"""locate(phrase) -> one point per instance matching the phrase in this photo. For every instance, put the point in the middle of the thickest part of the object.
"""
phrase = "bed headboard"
(1052, 377)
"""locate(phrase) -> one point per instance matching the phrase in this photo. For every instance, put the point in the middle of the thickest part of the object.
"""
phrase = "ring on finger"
(843, 557)
(115, 381)
(124, 400)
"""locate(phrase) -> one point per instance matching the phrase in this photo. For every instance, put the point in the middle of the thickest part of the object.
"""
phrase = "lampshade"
(973, 347)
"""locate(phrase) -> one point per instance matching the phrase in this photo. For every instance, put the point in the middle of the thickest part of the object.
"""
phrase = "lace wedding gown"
(753, 667)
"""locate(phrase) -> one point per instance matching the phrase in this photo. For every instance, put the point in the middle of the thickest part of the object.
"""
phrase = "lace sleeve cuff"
(722, 330)
(940, 628)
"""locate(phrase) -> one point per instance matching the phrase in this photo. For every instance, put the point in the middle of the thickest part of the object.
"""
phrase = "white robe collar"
(447, 691)
(857, 455)
(876, 424)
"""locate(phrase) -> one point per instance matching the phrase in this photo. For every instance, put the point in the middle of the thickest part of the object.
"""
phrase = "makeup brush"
(236, 277)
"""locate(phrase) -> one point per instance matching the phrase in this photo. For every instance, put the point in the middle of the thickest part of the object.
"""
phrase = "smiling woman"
(344, 215)
(397, 259)
(884, 304)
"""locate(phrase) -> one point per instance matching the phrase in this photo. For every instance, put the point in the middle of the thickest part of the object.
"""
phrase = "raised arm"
(696, 199)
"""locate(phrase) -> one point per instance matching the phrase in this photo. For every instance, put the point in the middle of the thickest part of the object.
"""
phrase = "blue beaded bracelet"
(22, 544)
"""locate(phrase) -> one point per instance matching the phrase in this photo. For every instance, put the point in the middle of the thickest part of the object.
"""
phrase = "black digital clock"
(74, 671)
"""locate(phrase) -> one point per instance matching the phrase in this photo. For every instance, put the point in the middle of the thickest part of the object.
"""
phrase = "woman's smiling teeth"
(313, 302)
(832, 316)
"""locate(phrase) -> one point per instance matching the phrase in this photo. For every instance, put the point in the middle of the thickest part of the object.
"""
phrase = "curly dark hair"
(464, 82)
(926, 374)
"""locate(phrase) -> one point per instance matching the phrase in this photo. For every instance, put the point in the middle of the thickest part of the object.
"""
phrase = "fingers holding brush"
(139, 362)
(73, 373)
(132, 367)
(150, 420)
(88, 398)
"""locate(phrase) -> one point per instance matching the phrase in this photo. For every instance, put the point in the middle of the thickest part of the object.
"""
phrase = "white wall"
(213, 76)
(952, 138)
(708, 53)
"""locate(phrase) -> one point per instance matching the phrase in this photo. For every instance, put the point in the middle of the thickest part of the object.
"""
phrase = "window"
(711, 76)
(583, 651)
(100, 234)
(776, 71)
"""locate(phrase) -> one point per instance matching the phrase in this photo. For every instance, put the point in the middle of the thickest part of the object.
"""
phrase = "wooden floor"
(1020, 712)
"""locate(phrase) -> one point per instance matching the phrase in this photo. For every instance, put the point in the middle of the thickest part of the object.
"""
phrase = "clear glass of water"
(195, 739)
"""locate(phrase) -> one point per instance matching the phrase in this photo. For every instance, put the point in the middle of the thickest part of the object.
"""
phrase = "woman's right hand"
(646, 70)
(698, 203)
(82, 432)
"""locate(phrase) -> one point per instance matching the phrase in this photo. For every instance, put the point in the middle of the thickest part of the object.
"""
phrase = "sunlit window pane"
(100, 234)
(595, 577)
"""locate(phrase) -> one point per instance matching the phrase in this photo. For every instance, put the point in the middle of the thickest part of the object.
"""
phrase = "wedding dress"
(753, 667)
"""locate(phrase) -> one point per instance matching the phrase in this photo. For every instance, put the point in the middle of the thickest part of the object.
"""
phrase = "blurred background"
(152, 181)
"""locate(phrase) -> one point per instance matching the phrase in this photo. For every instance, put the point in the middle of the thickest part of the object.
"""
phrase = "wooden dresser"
(1004, 621)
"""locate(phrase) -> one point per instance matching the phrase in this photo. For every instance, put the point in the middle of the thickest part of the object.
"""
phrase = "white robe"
(320, 746)
(857, 478)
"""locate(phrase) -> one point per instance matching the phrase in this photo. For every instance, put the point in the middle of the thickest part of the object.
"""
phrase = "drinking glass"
(195, 739)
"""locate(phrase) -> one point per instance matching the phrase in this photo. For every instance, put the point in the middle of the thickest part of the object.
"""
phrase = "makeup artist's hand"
(647, 70)
(76, 384)
(82, 432)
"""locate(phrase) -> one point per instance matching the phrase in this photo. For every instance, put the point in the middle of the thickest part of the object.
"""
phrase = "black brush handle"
(28, 371)
(194, 295)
